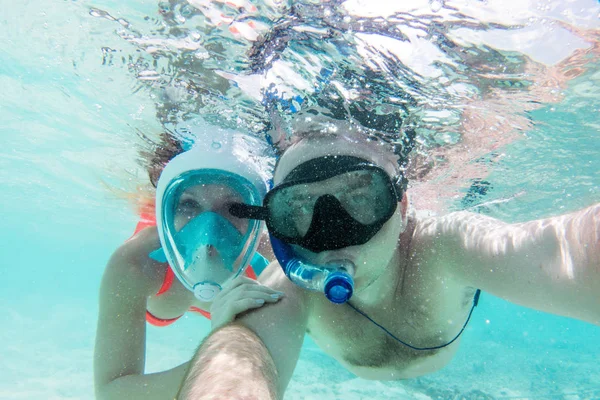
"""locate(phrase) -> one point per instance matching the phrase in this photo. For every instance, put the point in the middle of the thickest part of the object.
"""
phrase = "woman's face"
(207, 244)
(203, 198)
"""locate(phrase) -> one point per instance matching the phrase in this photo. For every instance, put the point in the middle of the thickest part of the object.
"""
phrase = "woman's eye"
(189, 205)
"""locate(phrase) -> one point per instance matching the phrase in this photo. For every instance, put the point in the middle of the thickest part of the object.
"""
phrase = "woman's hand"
(240, 295)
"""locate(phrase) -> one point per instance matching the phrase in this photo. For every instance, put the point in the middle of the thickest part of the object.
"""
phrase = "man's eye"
(301, 208)
(360, 199)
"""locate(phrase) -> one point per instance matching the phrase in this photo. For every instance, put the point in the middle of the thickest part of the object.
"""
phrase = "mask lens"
(203, 242)
(197, 199)
(365, 194)
(292, 208)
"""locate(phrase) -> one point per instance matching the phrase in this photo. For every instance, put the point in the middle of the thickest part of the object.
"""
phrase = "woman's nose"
(206, 252)
(211, 251)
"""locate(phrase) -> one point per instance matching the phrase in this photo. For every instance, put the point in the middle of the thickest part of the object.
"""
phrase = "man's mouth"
(346, 264)
(338, 258)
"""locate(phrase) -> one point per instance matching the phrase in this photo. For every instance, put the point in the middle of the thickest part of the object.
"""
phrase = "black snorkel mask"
(328, 203)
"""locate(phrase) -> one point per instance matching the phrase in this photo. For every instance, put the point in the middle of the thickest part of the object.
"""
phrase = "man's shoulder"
(292, 308)
(433, 231)
(430, 223)
(274, 277)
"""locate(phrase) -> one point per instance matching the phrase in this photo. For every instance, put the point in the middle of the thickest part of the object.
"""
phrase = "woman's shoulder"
(131, 261)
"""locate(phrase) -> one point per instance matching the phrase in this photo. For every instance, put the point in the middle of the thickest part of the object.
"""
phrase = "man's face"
(371, 258)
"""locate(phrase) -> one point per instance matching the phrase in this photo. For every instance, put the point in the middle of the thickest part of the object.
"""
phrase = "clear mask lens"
(364, 194)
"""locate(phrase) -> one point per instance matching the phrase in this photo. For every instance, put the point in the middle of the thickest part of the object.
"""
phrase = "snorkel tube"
(333, 280)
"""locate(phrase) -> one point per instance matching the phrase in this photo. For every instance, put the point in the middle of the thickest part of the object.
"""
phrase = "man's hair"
(398, 141)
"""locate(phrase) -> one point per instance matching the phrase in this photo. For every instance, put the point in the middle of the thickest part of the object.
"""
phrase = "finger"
(224, 304)
(227, 309)
(242, 305)
(245, 290)
(246, 283)
(234, 289)
(258, 295)
(240, 280)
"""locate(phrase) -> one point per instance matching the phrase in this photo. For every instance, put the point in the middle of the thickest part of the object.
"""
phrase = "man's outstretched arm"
(232, 363)
(551, 264)
(255, 356)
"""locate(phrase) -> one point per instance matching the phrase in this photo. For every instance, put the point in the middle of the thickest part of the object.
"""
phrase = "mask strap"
(246, 211)
(475, 303)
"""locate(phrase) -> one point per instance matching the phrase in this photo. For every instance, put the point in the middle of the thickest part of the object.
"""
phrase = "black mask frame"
(332, 227)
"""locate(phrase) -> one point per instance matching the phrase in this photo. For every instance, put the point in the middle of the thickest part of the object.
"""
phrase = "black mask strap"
(247, 211)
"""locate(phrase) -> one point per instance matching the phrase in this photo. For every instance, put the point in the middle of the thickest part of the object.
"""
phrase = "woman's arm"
(550, 264)
(120, 350)
(129, 279)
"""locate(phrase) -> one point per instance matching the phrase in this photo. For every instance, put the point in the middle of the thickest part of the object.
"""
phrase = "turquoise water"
(68, 123)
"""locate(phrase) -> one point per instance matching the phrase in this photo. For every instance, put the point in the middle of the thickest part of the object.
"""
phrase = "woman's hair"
(156, 158)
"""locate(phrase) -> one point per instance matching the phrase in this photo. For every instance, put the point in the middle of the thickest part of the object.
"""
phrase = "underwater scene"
(494, 106)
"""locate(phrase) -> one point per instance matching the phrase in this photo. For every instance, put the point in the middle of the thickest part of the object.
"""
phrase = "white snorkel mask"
(204, 244)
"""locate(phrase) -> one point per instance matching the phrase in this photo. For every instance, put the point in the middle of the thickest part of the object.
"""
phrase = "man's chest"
(400, 341)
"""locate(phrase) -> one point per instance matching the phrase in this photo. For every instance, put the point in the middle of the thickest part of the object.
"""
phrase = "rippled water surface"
(497, 102)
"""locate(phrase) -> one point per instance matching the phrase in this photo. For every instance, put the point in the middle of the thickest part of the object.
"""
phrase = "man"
(414, 279)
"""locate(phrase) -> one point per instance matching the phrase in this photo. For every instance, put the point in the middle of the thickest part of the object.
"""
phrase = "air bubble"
(436, 5)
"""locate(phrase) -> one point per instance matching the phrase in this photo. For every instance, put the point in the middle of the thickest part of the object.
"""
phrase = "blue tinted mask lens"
(202, 242)
(210, 229)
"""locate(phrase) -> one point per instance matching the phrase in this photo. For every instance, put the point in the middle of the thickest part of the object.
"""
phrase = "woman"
(207, 249)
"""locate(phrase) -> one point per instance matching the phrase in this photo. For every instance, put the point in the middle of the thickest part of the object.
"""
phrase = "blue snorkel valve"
(339, 287)
(336, 283)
